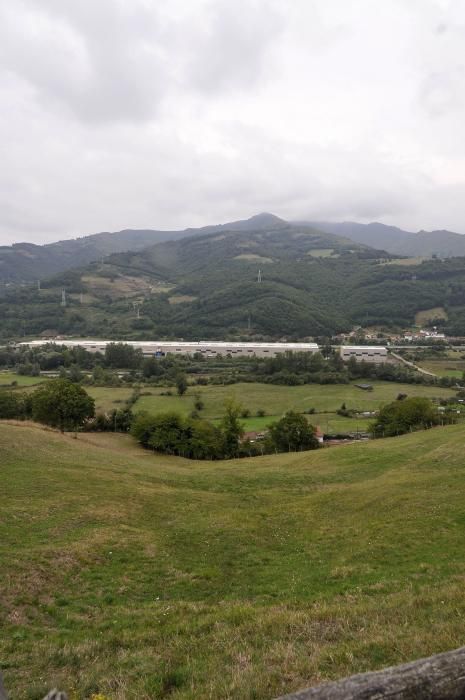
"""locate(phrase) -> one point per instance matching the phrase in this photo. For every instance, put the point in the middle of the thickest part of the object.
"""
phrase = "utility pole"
(259, 277)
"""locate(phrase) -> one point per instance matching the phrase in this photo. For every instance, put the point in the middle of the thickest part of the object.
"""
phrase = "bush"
(181, 384)
(14, 404)
(62, 404)
(292, 434)
(198, 404)
(410, 414)
(170, 433)
(28, 370)
(117, 421)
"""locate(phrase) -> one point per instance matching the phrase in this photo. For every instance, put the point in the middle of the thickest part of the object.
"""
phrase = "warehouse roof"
(363, 347)
(178, 343)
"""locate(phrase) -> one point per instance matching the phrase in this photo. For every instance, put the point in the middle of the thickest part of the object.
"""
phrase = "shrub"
(292, 434)
(62, 404)
(198, 404)
(400, 417)
(14, 404)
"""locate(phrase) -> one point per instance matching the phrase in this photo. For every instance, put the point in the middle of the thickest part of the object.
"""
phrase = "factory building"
(208, 349)
(365, 353)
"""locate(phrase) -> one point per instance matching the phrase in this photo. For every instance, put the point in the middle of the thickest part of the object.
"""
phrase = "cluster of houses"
(424, 335)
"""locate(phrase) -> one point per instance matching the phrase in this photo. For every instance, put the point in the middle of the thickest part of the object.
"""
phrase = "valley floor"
(130, 574)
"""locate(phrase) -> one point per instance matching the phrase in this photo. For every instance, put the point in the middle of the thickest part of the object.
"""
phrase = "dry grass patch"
(181, 299)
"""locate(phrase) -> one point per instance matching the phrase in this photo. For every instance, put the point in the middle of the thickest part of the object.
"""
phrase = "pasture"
(108, 398)
(134, 575)
(9, 378)
(445, 367)
(276, 400)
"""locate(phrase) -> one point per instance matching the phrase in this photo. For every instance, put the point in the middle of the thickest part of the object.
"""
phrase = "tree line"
(121, 363)
(171, 433)
(65, 405)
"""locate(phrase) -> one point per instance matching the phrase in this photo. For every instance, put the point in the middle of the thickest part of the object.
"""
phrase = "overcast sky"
(141, 114)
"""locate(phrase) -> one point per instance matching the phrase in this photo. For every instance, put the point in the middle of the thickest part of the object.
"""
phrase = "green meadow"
(445, 368)
(8, 378)
(275, 400)
(135, 575)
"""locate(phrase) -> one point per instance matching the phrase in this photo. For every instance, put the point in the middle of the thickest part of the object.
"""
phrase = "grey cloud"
(232, 44)
(443, 92)
(87, 57)
(130, 113)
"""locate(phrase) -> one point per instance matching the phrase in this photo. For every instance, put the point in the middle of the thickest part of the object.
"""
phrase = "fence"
(440, 677)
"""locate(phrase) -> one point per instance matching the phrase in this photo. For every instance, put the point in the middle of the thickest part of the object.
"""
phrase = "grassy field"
(7, 378)
(405, 261)
(422, 317)
(444, 368)
(141, 576)
(108, 398)
(329, 422)
(276, 400)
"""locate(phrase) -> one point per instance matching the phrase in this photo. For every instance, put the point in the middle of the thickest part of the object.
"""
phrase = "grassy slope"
(127, 573)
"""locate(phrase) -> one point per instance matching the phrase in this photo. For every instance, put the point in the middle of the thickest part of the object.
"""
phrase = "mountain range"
(275, 280)
(27, 262)
(444, 244)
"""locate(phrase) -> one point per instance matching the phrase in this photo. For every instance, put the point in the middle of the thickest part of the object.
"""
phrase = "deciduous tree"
(62, 404)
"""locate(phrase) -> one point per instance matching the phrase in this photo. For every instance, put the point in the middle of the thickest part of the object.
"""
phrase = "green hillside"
(207, 286)
(204, 283)
(26, 262)
(159, 577)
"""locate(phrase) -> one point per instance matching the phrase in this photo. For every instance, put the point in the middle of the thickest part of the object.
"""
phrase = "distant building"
(161, 348)
(254, 436)
(49, 334)
(365, 353)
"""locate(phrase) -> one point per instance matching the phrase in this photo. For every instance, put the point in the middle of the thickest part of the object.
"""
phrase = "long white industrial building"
(209, 349)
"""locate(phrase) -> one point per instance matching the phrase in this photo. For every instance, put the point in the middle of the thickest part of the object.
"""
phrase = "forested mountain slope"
(290, 281)
(24, 262)
(203, 285)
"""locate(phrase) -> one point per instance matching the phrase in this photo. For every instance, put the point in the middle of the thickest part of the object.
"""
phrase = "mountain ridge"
(290, 281)
(26, 262)
(397, 241)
